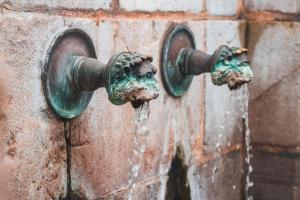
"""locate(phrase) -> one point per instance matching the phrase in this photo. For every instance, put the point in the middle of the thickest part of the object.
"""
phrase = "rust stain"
(266, 15)
(99, 16)
(240, 9)
(208, 157)
(275, 148)
(149, 157)
(197, 147)
(116, 13)
(170, 153)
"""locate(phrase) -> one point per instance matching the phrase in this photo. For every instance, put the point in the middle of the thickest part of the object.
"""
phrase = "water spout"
(228, 65)
(181, 62)
(128, 77)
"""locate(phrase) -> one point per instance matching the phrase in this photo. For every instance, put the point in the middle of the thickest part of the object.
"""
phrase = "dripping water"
(223, 125)
(139, 145)
(244, 98)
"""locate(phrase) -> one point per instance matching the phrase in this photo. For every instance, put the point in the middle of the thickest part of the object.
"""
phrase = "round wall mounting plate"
(63, 98)
(177, 38)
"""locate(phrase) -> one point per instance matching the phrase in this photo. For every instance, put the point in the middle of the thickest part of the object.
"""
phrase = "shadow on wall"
(178, 186)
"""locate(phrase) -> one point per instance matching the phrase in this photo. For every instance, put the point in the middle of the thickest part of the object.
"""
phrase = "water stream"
(142, 131)
(244, 102)
(242, 97)
(139, 145)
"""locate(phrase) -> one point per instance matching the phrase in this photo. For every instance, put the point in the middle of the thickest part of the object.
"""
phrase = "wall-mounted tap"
(180, 62)
(228, 65)
(72, 72)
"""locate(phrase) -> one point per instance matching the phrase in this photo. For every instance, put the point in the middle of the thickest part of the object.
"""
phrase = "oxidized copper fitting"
(71, 73)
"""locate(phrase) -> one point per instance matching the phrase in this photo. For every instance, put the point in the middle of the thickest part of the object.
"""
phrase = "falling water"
(139, 145)
(244, 98)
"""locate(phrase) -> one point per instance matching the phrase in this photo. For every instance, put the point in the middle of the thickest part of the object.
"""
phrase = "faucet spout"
(228, 65)
(128, 77)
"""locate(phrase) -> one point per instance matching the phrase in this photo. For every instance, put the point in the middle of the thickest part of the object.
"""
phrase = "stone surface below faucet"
(231, 67)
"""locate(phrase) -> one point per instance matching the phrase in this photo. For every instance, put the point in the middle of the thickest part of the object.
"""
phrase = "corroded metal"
(72, 72)
(177, 38)
(231, 66)
(130, 77)
(228, 65)
(64, 99)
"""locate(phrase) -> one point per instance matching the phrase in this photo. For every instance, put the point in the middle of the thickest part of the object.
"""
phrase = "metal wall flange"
(66, 101)
(177, 38)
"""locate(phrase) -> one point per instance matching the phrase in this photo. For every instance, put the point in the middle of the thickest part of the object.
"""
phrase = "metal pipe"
(194, 62)
(88, 73)
(228, 65)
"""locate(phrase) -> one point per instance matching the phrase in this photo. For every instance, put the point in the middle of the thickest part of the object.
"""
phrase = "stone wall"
(275, 109)
(43, 157)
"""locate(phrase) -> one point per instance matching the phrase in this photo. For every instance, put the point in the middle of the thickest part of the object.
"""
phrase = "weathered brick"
(162, 5)
(31, 137)
(221, 7)
(223, 125)
(219, 179)
(274, 107)
(58, 4)
(286, 6)
(274, 53)
(269, 191)
(276, 167)
(274, 116)
(275, 175)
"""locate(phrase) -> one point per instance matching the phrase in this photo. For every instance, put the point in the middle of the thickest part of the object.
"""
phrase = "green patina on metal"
(62, 97)
(130, 77)
(124, 90)
(231, 67)
(177, 38)
(71, 73)
(181, 61)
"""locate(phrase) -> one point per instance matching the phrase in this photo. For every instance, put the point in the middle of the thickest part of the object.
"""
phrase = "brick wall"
(34, 163)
